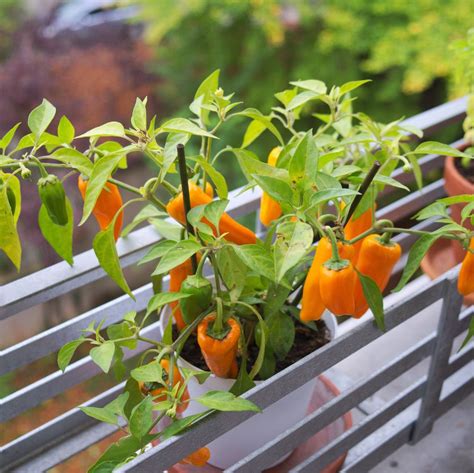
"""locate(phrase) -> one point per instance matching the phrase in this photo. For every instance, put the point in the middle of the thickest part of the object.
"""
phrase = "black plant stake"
(183, 174)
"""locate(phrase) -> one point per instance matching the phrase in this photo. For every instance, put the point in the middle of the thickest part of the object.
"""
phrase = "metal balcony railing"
(73, 431)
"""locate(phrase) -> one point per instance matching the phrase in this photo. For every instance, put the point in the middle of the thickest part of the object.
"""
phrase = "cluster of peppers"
(333, 283)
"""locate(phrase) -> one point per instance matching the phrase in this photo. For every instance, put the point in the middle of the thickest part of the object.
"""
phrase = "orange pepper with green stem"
(337, 279)
(218, 340)
(235, 232)
(377, 257)
(312, 305)
(466, 273)
(270, 209)
(107, 205)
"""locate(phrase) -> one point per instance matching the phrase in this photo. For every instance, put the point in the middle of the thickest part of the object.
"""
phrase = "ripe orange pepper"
(312, 306)
(336, 283)
(466, 273)
(376, 260)
(198, 458)
(354, 227)
(270, 209)
(157, 389)
(177, 277)
(107, 205)
(235, 232)
(220, 354)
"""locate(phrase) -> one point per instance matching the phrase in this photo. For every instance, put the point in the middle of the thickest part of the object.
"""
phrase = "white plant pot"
(259, 429)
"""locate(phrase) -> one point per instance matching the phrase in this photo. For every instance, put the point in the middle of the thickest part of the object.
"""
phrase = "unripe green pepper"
(53, 197)
(200, 290)
(10, 196)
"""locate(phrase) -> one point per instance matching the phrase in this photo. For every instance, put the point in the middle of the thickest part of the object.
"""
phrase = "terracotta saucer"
(440, 258)
(324, 391)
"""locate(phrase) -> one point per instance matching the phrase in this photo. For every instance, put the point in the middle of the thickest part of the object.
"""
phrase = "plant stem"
(362, 235)
(332, 238)
(125, 186)
(170, 188)
(150, 341)
(218, 325)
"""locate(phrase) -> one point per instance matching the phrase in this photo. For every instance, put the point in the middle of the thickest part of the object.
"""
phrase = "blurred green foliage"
(262, 43)
(10, 15)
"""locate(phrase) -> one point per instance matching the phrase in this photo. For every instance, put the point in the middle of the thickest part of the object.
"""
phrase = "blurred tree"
(262, 43)
(10, 13)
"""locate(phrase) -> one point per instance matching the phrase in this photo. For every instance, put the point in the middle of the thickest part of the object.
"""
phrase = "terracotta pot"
(455, 184)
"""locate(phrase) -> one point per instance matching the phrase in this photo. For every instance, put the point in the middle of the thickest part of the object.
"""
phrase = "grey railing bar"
(51, 340)
(412, 202)
(60, 278)
(452, 303)
(339, 446)
(328, 413)
(54, 432)
(390, 443)
(371, 423)
(57, 382)
(439, 117)
(172, 450)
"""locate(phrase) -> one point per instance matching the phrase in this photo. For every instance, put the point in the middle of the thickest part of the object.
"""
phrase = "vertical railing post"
(452, 303)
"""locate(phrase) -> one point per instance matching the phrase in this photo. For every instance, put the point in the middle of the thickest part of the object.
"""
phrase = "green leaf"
(436, 209)
(103, 355)
(101, 172)
(316, 86)
(457, 199)
(297, 166)
(374, 298)
(106, 252)
(66, 130)
(302, 99)
(9, 239)
(254, 130)
(257, 258)
(469, 335)
(122, 330)
(117, 453)
(380, 178)
(251, 165)
(75, 159)
(182, 125)
(276, 188)
(349, 86)
(204, 93)
(244, 382)
(157, 251)
(264, 120)
(107, 129)
(138, 119)
(160, 300)
(226, 401)
(200, 375)
(232, 270)
(149, 373)
(281, 334)
(67, 351)
(134, 396)
(213, 211)
(8, 136)
(58, 236)
(170, 152)
(325, 195)
(433, 147)
(293, 241)
(416, 170)
(416, 254)
(217, 178)
(14, 186)
(326, 181)
(147, 212)
(101, 413)
(40, 118)
(166, 229)
(168, 334)
(179, 253)
(178, 426)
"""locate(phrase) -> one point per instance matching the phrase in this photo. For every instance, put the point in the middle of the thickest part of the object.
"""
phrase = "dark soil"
(466, 172)
(306, 341)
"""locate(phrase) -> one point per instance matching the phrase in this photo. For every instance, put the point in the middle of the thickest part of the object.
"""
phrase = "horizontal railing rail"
(72, 432)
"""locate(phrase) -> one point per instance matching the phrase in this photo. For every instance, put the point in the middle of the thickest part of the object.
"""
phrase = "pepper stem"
(332, 238)
(385, 238)
(201, 263)
(218, 325)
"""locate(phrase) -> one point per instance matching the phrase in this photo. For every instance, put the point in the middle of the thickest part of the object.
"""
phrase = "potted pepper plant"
(235, 308)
